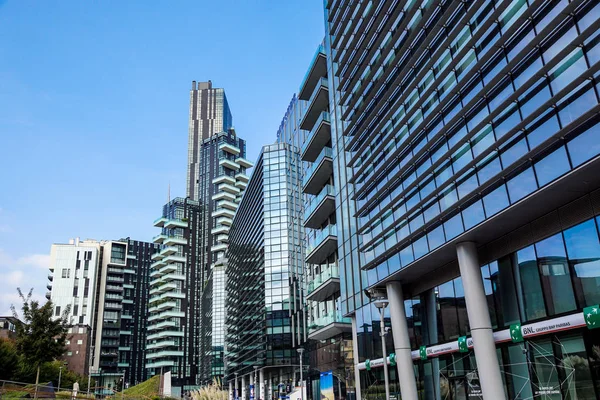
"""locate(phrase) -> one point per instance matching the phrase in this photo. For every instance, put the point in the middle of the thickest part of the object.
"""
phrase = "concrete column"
(243, 396)
(355, 353)
(237, 388)
(479, 319)
(261, 384)
(251, 383)
(230, 390)
(406, 373)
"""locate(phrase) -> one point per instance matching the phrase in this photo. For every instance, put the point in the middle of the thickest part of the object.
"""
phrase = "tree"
(9, 359)
(40, 338)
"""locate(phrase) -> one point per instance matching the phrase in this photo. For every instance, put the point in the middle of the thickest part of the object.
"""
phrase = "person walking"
(75, 390)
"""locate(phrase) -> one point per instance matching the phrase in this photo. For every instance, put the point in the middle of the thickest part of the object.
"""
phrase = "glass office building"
(263, 277)
(465, 149)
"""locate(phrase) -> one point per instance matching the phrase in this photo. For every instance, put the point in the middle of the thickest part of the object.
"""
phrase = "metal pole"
(383, 349)
(59, 376)
(123, 386)
(90, 364)
(301, 351)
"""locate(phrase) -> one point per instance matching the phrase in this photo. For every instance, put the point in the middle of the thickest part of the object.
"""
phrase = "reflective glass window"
(552, 166)
(585, 146)
(495, 201)
(529, 284)
(521, 185)
(583, 249)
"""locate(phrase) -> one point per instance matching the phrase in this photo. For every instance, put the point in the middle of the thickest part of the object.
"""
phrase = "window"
(583, 249)
(555, 276)
(66, 273)
(530, 285)
(79, 341)
(57, 312)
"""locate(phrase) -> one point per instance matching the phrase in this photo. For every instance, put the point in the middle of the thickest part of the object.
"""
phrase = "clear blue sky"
(94, 109)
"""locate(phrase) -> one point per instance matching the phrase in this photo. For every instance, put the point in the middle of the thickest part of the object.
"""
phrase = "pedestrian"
(75, 389)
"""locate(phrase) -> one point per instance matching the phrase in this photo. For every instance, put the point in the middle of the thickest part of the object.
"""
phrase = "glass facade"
(468, 129)
(468, 122)
(264, 260)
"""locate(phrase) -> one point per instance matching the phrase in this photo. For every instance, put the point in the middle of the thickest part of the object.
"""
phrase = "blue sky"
(94, 109)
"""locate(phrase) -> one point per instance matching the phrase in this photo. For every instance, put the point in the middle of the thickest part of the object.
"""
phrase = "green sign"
(423, 352)
(515, 333)
(592, 316)
(462, 344)
(368, 364)
(393, 359)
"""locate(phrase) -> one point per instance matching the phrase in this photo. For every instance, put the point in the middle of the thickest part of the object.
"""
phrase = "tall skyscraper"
(465, 149)
(176, 283)
(209, 115)
(216, 180)
(264, 269)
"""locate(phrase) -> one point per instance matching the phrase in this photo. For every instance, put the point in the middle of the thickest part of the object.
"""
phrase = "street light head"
(376, 293)
(300, 350)
(381, 303)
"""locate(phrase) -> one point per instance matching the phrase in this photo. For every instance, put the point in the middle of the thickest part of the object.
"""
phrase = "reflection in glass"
(583, 249)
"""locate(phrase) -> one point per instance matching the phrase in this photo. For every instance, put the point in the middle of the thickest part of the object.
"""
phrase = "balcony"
(159, 364)
(163, 306)
(224, 196)
(162, 288)
(156, 256)
(176, 223)
(165, 353)
(227, 163)
(318, 137)
(220, 229)
(316, 70)
(229, 148)
(319, 173)
(322, 245)
(131, 257)
(167, 295)
(166, 314)
(324, 285)
(48, 295)
(160, 222)
(223, 213)
(241, 185)
(223, 238)
(244, 163)
(320, 208)
(164, 334)
(319, 101)
(157, 264)
(167, 251)
(229, 188)
(328, 326)
(159, 238)
(224, 221)
(160, 345)
(175, 240)
(174, 258)
(162, 324)
(224, 179)
(227, 204)
(50, 277)
(218, 247)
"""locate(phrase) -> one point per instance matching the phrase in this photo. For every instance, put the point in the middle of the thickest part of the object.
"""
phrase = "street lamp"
(59, 376)
(381, 302)
(235, 390)
(300, 351)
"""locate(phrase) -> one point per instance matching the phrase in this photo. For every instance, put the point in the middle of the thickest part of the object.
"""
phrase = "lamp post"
(381, 304)
(300, 351)
(379, 296)
(59, 376)
(254, 391)
(235, 390)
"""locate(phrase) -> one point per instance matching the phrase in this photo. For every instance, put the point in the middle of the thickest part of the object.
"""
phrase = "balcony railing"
(320, 237)
(318, 137)
(327, 319)
(326, 153)
(330, 272)
(315, 202)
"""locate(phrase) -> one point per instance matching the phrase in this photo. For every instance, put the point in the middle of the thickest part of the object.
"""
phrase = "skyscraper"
(264, 274)
(209, 114)
(465, 148)
(216, 180)
(176, 279)
(105, 284)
